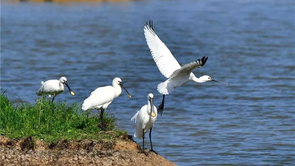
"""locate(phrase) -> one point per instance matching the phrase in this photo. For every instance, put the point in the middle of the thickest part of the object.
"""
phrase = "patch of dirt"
(122, 151)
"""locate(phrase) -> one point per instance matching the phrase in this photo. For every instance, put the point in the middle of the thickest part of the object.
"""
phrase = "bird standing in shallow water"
(102, 97)
(54, 87)
(145, 119)
(169, 67)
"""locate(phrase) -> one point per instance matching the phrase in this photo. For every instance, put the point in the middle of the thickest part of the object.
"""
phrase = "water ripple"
(249, 122)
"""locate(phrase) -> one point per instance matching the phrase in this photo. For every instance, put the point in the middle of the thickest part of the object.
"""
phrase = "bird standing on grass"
(102, 97)
(145, 119)
(169, 67)
(54, 87)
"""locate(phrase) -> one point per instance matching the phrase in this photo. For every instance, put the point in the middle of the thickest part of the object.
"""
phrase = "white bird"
(145, 119)
(54, 87)
(102, 97)
(169, 67)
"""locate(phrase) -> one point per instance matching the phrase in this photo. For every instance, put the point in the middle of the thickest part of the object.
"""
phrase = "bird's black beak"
(128, 94)
(220, 82)
(72, 92)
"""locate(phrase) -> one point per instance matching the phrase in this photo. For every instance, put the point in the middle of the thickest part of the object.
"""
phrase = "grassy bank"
(52, 121)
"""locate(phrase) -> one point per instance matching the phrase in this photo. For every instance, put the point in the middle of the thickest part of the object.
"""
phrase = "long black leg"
(53, 98)
(143, 142)
(102, 124)
(150, 135)
(161, 106)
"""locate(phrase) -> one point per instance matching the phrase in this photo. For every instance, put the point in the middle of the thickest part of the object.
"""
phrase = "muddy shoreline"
(122, 151)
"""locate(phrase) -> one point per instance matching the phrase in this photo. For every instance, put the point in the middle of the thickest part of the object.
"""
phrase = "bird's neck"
(118, 90)
(151, 109)
(61, 85)
(149, 106)
(196, 79)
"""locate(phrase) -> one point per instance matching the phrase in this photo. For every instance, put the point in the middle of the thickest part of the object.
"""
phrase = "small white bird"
(145, 119)
(169, 67)
(54, 87)
(102, 97)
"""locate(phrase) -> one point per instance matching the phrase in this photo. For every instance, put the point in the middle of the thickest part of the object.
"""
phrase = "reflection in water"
(249, 45)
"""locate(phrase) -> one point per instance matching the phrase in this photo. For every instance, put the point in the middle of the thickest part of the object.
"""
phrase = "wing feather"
(164, 59)
(188, 68)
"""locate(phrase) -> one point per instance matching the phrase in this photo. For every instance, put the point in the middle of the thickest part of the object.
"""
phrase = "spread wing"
(188, 68)
(165, 61)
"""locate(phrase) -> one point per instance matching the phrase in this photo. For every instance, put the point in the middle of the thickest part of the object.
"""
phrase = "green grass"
(52, 121)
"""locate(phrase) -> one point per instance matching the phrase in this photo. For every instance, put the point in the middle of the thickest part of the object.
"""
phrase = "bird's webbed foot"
(152, 150)
(144, 152)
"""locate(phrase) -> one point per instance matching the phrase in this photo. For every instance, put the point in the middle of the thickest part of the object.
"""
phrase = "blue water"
(250, 44)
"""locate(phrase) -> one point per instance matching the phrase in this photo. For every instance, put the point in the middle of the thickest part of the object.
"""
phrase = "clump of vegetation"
(52, 121)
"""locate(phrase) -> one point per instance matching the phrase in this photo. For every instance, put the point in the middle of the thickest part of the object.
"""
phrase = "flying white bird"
(54, 87)
(169, 67)
(145, 119)
(102, 97)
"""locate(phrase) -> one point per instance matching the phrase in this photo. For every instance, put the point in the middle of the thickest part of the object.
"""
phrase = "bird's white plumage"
(177, 75)
(187, 69)
(164, 59)
(145, 118)
(102, 97)
(52, 87)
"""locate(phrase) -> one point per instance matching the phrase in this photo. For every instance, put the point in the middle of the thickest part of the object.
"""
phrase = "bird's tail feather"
(85, 105)
(138, 131)
(134, 117)
(163, 88)
(39, 92)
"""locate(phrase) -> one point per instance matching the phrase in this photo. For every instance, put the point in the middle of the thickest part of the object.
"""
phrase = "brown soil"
(122, 151)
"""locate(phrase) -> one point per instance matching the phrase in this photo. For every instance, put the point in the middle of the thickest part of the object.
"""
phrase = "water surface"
(250, 44)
